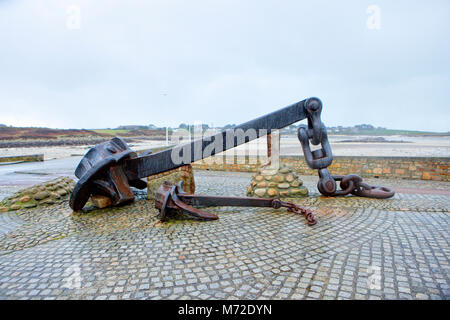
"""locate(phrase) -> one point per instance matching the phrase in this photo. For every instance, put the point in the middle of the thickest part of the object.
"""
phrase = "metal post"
(167, 136)
(269, 148)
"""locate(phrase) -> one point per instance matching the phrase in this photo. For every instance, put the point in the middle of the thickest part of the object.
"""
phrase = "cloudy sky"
(163, 62)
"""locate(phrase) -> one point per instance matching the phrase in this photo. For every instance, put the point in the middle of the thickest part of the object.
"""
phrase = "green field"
(111, 132)
(390, 132)
(345, 131)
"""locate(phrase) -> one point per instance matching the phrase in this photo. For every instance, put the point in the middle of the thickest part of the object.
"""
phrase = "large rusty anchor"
(172, 197)
(112, 168)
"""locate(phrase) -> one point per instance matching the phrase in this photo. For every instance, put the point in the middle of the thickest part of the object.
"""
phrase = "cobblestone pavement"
(359, 249)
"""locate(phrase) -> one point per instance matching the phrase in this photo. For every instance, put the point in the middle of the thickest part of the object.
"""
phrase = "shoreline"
(342, 145)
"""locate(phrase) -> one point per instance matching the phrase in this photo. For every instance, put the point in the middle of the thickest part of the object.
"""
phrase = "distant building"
(365, 127)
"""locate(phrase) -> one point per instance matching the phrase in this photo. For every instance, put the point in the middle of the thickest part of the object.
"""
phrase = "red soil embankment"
(13, 133)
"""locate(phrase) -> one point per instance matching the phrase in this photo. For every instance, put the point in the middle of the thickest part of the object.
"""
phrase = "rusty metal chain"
(309, 216)
(292, 207)
(322, 158)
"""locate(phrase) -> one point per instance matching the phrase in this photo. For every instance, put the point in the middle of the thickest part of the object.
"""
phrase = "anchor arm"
(218, 201)
(171, 196)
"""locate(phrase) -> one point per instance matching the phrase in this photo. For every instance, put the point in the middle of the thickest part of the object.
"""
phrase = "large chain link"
(321, 158)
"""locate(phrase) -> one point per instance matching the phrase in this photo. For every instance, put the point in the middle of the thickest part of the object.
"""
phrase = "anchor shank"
(145, 166)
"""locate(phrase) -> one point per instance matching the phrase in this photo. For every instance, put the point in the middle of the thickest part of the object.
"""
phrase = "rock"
(47, 201)
(267, 172)
(25, 199)
(299, 191)
(278, 178)
(61, 192)
(101, 201)
(271, 192)
(284, 194)
(281, 183)
(296, 183)
(54, 195)
(260, 192)
(284, 170)
(3, 209)
(16, 207)
(262, 184)
(33, 190)
(41, 195)
(426, 176)
(30, 205)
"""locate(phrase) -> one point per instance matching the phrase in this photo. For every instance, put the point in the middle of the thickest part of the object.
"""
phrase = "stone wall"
(27, 158)
(174, 176)
(417, 168)
(224, 163)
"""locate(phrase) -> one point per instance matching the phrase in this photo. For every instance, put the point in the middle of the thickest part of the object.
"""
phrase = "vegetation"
(9, 133)
(111, 132)
(154, 132)
(369, 130)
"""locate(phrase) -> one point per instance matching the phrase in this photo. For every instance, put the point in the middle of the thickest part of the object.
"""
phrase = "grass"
(388, 132)
(111, 132)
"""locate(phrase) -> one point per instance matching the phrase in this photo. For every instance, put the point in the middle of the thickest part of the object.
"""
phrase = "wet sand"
(61, 152)
(414, 147)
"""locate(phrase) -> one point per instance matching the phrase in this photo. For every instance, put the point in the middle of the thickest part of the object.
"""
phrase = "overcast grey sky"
(218, 62)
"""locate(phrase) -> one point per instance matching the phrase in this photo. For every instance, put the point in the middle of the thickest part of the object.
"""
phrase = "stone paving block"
(250, 253)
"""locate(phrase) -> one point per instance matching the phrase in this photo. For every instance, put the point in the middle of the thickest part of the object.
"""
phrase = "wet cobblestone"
(360, 249)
